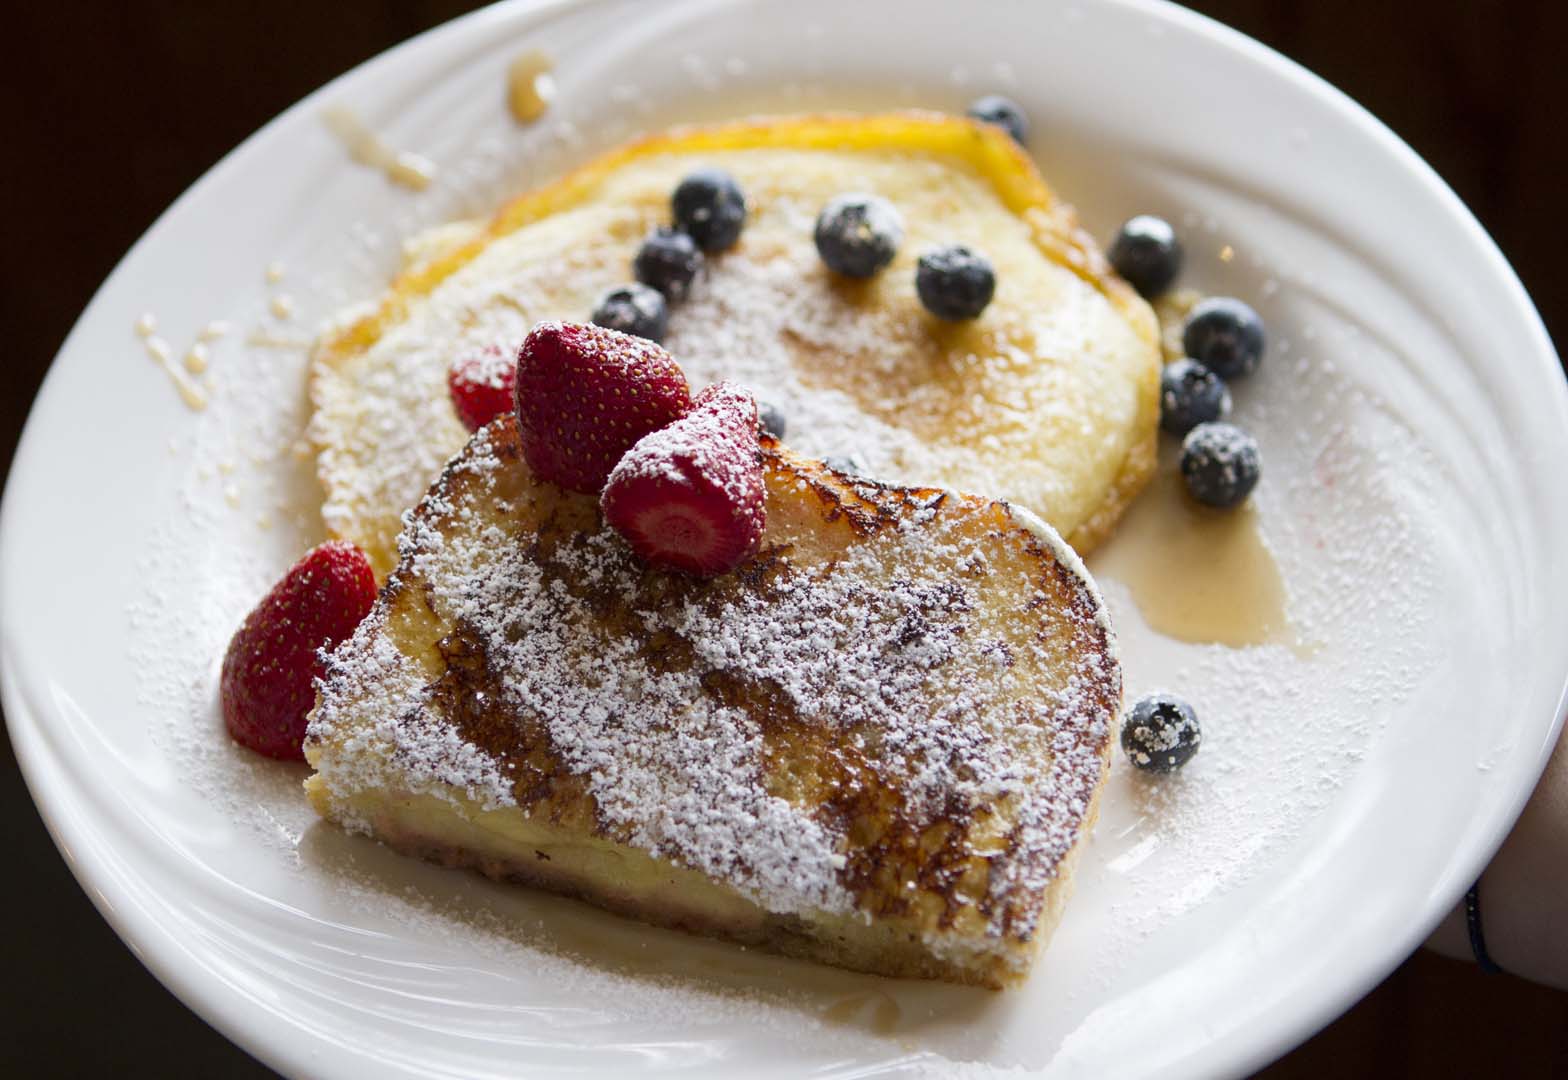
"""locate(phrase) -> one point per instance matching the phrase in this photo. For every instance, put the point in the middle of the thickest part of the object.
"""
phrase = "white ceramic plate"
(1413, 419)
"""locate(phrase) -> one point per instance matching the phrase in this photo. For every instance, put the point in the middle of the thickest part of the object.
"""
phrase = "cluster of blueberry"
(1223, 340)
(709, 210)
(857, 235)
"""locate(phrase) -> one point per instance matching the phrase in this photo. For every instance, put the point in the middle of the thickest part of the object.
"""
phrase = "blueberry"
(1004, 113)
(954, 283)
(1220, 463)
(710, 208)
(772, 419)
(857, 235)
(634, 309)
(668, 261)
(1147, 253)
(1225, 335)
(1191, 394)
(1161, 733)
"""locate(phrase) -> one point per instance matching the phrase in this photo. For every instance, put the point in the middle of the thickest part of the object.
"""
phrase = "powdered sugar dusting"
(744, 326)
(885, 650)
(1038, 401)
(493, 367)
(709, 440)
(399, 746)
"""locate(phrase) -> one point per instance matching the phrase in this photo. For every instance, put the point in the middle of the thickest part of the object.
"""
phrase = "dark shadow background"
(112, 110)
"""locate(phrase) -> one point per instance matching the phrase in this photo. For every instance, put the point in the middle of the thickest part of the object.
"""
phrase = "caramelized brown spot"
(934, 861)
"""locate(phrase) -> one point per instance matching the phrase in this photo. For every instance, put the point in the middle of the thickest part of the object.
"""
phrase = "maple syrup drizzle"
(1198, 574)
(529, 86)
(411, 170)
(877, 1010)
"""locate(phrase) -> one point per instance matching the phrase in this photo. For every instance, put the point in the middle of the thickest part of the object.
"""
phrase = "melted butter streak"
(1197, 574)
(193, 396)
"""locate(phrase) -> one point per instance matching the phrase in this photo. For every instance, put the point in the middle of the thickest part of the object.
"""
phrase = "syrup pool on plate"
(1197, 574)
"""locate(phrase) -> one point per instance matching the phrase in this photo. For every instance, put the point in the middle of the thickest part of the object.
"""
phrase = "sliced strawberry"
(481, 384)
(267, 686)
(690, 496)
(585, 394)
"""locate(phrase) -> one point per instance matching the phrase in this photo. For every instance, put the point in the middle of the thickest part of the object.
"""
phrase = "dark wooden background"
(112, 110)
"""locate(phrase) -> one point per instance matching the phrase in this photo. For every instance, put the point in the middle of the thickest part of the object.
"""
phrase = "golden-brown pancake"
(1049, 399)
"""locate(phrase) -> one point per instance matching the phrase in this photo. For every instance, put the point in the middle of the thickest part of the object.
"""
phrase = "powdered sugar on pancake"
(1042, 400)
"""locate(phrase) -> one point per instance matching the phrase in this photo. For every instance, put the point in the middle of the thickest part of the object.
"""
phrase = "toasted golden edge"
(595, 871)
(1053, 226)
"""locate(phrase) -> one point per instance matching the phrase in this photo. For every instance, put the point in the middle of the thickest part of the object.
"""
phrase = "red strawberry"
(586, 394)
(480, 382)
(268, 673)
(689, 496)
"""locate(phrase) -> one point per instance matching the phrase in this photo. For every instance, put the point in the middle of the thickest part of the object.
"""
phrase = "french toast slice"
(879, 743)
(1049, 399)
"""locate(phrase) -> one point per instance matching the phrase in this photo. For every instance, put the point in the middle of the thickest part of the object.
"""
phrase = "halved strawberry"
(267, 686)
(585, 394)
(690, 496)
(481, 384)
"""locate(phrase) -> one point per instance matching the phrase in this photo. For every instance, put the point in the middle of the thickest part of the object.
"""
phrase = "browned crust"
(890, 847)
(786, 935)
